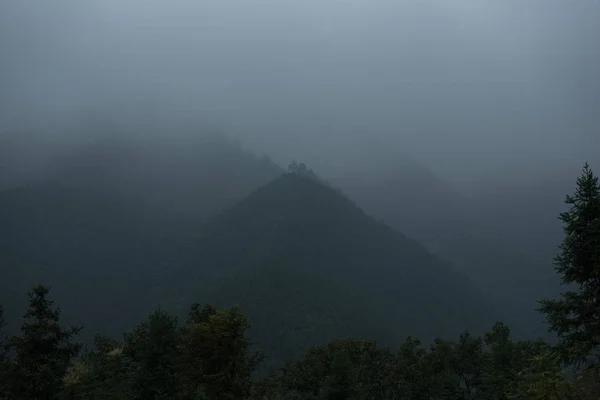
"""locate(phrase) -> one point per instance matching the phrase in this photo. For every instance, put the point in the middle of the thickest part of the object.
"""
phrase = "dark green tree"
(43, 351)
(344, 369)
(199, 315)
(216, 359)
(502, 362)
(153, 350)
(293, 167)
(302, 169)
(458, 367)
(110, 373)
(470, 363)
(340, 383)
(540, 376)
(412, 374)
(576, 315)
(76, 385)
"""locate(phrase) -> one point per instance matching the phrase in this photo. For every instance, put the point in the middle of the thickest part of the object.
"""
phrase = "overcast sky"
(465, 86)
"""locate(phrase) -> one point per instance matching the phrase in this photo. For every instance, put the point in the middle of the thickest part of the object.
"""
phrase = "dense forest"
(210, 353)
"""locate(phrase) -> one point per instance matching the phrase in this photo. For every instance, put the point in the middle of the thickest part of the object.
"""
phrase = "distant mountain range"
(356, 277)
(305, 262)
(119, 227)
(100, 220)
(473, 236)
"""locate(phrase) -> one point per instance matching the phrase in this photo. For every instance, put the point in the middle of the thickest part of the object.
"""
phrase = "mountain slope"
(414, 200)
(304, 261)
(104, 258)
(299, 227)
(197, 174)
(105, 215)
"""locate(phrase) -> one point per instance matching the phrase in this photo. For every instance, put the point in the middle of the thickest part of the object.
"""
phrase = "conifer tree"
(111, 374)
(153, 350)
(43, 352)
(339, 383)
(576, 315)
(216, 360)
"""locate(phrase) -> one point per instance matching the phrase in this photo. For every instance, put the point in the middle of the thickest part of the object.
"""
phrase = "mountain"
(308, 265)
(167, 164)
(305, 262)
(414, 200)
(102, 216)
(103, 257)
(197, 175)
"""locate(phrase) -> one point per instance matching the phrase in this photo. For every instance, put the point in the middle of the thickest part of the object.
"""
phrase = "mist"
(473, 89)
(494, 101)
(145, 145)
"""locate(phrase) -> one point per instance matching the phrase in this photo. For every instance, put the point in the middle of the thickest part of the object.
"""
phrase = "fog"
(477, 90)
(461, 124)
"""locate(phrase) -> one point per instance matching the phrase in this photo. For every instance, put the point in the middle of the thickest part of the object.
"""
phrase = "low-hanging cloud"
(466, 86)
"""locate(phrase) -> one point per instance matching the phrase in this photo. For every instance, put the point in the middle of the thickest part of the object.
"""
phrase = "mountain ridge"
(299, 223)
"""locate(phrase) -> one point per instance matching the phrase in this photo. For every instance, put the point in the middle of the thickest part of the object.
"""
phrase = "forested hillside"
(209, 354)
(300, 258)
(194, 176)
(347, 271)
(111, 213)
(85, 245)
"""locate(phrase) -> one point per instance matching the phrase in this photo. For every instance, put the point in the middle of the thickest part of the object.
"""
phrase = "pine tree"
(501, 364)
(153, 350)
(459, 366)
(576, 315)
(339, 382)
(197, 315)
(216, 360)
(111, 374)
(293, 167)
(43, 352)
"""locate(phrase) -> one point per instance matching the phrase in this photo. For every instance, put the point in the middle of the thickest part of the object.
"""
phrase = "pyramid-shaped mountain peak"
(296, 197)
(358, 276)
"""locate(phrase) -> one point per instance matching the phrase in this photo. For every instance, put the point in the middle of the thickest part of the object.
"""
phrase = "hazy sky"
(466, 86)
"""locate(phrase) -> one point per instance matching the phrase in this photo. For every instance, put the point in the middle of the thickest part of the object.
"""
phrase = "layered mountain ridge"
(297, 225)
(305, 262)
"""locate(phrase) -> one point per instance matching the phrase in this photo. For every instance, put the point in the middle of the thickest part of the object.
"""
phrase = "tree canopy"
(576, 315)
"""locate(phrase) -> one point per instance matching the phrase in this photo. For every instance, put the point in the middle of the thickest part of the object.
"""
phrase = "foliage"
(43, 352)
(152, 350)
(215, 354)
(459, 367)
(576, 316)
(210, 357)
(108, 373)
(540, 378)
(470, 368)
